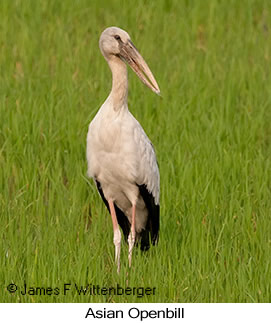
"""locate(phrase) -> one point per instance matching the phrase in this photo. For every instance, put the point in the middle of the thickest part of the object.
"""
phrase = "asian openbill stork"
(121, 158)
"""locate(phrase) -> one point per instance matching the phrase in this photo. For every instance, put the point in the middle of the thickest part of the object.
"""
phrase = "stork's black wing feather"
(122, 219)
(152, 226)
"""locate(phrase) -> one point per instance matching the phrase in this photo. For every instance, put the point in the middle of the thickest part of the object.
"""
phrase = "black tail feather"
(152, 227)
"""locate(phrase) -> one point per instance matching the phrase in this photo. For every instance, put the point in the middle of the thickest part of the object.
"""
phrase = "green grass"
(211, 131)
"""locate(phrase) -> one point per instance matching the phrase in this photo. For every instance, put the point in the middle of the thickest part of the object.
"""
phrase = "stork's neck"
(119, 91)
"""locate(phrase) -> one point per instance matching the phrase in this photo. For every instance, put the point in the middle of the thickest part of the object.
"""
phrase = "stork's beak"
(131, 55)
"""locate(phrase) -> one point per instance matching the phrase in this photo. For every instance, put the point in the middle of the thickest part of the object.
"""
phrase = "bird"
(120, 157)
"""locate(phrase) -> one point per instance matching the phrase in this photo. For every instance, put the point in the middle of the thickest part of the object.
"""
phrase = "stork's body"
(121, 158)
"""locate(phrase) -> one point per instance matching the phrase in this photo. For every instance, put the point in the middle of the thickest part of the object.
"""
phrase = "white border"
(200, 313)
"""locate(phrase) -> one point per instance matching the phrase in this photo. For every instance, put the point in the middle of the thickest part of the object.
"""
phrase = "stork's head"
(115, 42)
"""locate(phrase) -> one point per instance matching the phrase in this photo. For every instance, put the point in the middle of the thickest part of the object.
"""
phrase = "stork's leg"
(131, 238)
(117, 234)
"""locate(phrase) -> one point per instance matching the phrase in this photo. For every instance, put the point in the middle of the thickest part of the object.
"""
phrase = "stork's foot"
(117, 243)
(131, 237)
(117, 234)
(131, 242)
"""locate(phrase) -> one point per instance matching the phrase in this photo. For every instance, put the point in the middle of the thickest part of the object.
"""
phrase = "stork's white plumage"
(120, 156)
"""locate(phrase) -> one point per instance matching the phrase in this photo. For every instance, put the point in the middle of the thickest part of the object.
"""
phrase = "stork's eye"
(117, 37)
